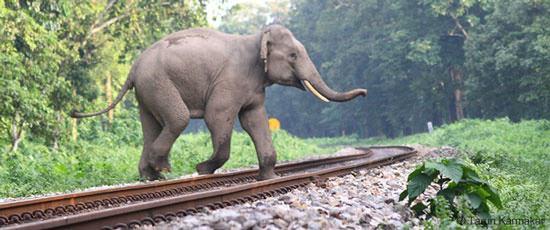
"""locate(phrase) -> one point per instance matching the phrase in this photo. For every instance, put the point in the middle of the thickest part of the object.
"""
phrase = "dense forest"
(62, 55)
(422, 61)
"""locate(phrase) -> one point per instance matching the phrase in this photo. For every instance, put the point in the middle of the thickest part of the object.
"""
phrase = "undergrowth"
(106, 159)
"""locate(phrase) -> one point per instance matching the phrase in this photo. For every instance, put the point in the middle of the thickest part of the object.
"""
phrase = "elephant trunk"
(315, 84)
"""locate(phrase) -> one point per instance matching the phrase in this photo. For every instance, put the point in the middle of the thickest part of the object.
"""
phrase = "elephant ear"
(263, 48)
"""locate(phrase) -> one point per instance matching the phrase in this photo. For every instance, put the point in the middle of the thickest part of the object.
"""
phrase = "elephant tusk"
(314, 91)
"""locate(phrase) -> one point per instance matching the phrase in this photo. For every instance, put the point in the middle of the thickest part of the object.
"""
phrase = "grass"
(103, 160)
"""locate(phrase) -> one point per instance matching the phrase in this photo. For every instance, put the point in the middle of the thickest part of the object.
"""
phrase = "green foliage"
(455, 180)
(393, 51)
(30, 86)
(402, 52)
(56, 56)
(112, 158)
(507, 60)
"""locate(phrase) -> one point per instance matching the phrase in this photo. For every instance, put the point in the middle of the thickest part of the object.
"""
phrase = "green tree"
(30, 57)
(385, 46)
(52, 52)
(421, 61)
(507, 58)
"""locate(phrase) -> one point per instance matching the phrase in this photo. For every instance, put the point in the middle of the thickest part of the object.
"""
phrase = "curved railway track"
(150, 203)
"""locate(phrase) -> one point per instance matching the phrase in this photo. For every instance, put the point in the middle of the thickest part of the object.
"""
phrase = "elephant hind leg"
(151, 130)
(175, 119)
(173, 115)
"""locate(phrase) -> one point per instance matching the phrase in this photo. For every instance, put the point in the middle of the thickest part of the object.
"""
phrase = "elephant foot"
(206, 168)
(267, 175)
(161, 165)
(149, 174)
(152, 177)
(153, 171)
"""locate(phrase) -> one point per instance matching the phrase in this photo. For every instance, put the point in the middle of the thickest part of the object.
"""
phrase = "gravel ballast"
(365, 199)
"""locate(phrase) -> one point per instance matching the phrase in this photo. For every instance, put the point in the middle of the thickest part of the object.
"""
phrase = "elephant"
(205, 74)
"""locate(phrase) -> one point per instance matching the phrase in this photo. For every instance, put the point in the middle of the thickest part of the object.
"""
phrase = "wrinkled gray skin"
(202, 73)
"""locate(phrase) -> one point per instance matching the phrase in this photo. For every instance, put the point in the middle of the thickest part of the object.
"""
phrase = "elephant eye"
(293, 56)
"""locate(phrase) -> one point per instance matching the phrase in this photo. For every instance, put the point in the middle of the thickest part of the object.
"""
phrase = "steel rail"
(152, 212)
(61, 205)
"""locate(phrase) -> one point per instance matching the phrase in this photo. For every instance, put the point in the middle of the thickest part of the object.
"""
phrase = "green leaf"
(482, 192)
(470, 174)
(431, 172)
(448, 193)
(448, 168)
(474, 199)
(417, 185)
(493, 196)
(417, 171)
(403, 195)
(419, 208)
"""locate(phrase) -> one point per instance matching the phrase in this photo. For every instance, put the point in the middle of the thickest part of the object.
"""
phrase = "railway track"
(150, 203)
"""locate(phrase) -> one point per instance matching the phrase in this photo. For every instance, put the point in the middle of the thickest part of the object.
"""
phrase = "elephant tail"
(127, 86)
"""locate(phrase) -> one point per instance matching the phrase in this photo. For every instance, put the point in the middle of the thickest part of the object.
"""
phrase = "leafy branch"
(456, 180)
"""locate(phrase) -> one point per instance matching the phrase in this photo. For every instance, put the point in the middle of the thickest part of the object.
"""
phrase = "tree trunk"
(458, 104)
(16, 134)
(57, 132)
(456, 77)
(74, 129)
(109, 96)
(74, 124)
(452, 108)
(437, 117)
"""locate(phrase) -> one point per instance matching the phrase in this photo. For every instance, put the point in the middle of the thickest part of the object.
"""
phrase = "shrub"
(456, 181)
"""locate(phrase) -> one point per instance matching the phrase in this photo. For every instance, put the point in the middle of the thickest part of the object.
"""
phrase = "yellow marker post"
(274, 124)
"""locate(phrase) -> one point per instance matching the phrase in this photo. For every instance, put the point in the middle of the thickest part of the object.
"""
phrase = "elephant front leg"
(220, 126)
(254, 122)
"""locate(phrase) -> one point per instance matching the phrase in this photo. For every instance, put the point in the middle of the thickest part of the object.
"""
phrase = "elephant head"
(286, 62)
